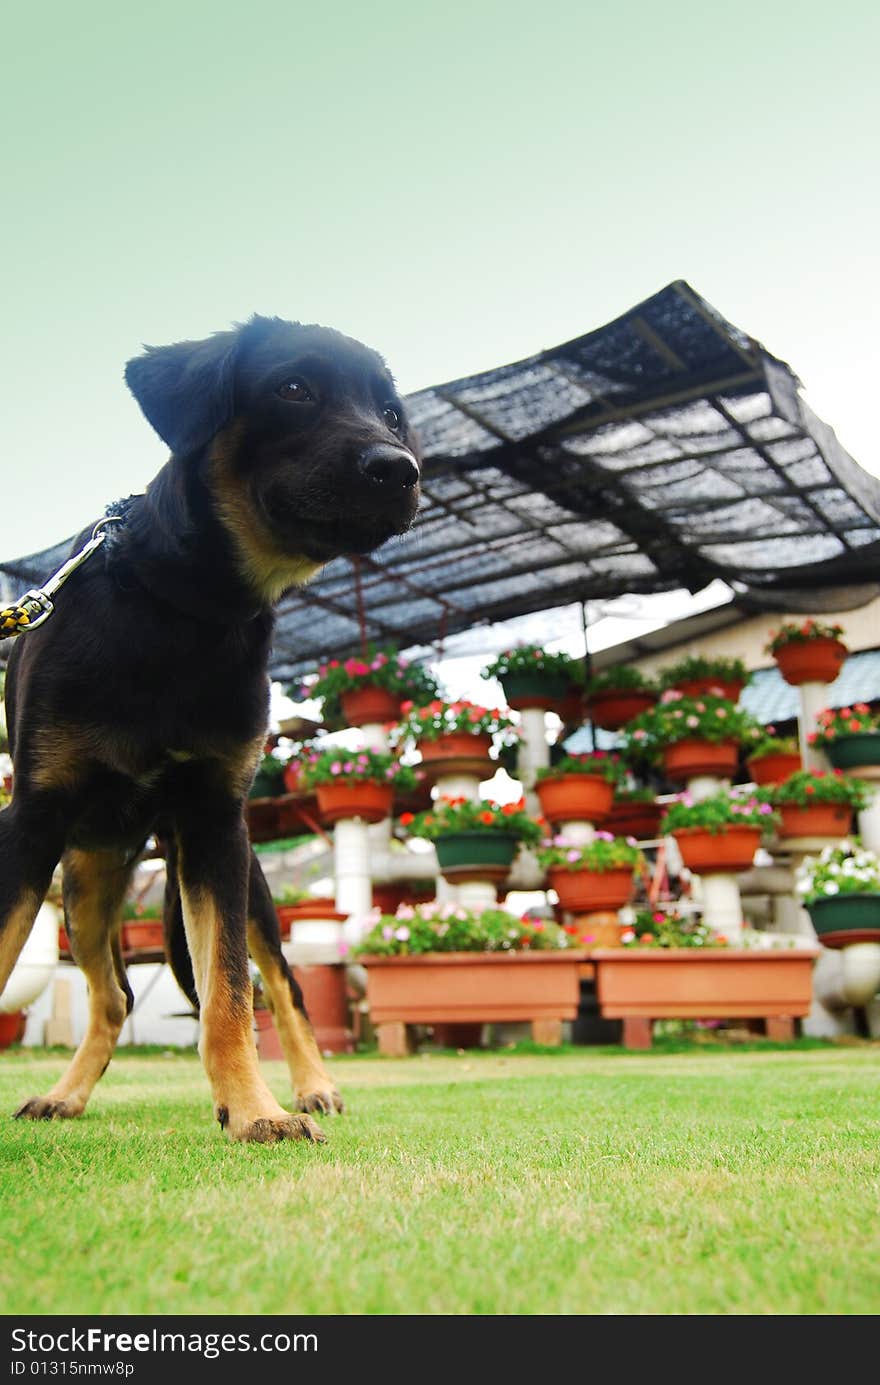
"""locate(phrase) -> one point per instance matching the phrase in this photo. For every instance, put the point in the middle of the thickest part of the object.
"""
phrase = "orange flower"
(488, 818)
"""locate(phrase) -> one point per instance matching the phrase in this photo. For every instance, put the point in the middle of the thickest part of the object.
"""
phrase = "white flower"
(831, 887)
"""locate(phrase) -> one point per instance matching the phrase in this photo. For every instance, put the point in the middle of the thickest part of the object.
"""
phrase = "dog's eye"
(391, 417)
(295, 391)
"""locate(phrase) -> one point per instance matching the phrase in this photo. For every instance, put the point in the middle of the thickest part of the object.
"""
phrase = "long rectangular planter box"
(683, 983)
(473, 987)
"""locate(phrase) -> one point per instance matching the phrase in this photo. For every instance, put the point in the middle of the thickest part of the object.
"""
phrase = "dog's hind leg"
(95, 884)
(213, 873)
(30, 846)
(313, 1088)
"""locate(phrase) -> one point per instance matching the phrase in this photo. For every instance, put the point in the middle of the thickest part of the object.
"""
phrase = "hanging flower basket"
(291, 777)
(718, 852)
(729, 688)
(856, 751)
(361, 798)
(570, 708)
(846, 918)
(811, 661)
(457, 753)
(588, 891)
(614, 707)
(464, 856)
(575, 797)
(689, 758)
(369, 704)
(814, 820)
(637, 818)
(773, 768)
(12, 1027)
(524, 690)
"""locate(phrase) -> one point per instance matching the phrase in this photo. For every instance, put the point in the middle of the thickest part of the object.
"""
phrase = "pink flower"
(721, 713)
(402, 934)
(693, 721)
(336, 767)
(572, 856)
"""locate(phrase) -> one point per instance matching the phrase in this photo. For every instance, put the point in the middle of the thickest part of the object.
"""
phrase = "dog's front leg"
(214, 854)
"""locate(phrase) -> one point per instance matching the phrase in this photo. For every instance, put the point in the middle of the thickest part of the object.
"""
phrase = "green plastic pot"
(466, 849)
(524, 690)
(846, 913)
(851, 752)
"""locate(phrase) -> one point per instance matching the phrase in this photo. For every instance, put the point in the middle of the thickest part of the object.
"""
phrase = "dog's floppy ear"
(187, 390)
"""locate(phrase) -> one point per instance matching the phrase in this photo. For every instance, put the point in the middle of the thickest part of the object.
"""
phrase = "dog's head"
(299, 435)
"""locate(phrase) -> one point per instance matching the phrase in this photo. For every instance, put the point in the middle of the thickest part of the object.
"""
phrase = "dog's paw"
(267, 1130)
(324, 1099)
(44, 1108)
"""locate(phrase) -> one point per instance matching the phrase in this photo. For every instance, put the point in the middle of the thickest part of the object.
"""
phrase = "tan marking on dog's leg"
(16, 930)
(313, 1088)
(95, 885)
(243, 1104)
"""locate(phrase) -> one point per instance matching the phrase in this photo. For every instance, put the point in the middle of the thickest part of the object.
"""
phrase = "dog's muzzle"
(389, 466)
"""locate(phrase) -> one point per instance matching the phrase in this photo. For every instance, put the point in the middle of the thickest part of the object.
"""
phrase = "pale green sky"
(458, 184)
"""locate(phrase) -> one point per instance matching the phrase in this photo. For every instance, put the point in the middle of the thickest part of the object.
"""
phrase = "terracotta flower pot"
(696, 687)
(361, 706)
(846, 918)
(614, 707)
(639, 820)
(731, 850)
(321, 907)
(588, 891)
(325, 993)
(524, 690)
(697, 983)
(63, 941)
(855, 751)
(570, 709)
(585, 797)
(143, 935)
(268, 1042)
(291, 776)
(775, 768)
(458, 753)
(12, 1028)
(389, 898)
(690, 758)
(473, 987)
(354, 798)
(811, 661)
(464, 856)
(815, 820)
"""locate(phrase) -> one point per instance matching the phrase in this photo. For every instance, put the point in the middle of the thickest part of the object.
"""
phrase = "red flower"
(809, 788)
(854, 725)
(406, 819)
(488, 818)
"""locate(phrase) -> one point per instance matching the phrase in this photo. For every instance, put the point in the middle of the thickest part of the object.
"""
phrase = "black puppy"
(141, 706)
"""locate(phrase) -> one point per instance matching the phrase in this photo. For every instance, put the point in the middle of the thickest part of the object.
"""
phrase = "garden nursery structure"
(661, 452)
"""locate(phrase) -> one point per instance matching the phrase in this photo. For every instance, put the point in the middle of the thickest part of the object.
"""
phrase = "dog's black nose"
(389, 466)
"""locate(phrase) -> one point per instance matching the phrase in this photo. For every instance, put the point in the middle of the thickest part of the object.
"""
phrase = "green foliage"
(834, 722)
(794, 632)
(435, 927)
(450, 815)
(763, 745)
(719, 811)
(604, 852)
(657, 928)
(379, 668)
(533, 658)
(621, 678)
(338, 766)
(845, 868)
(699, 666)
(677, 718)
(436, 719)
(598, 763)
(820, 786)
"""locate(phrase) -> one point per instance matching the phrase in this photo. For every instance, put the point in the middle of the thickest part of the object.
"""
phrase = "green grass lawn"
(589, 1181)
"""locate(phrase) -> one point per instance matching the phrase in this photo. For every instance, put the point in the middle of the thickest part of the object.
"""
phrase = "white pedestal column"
(579, 833)
(722, 907)
(375, 737)
(813, 697)
(705, 785)
(351, 851)
(477, 895)
(534, 753)
(458, 786)
(869, 817)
